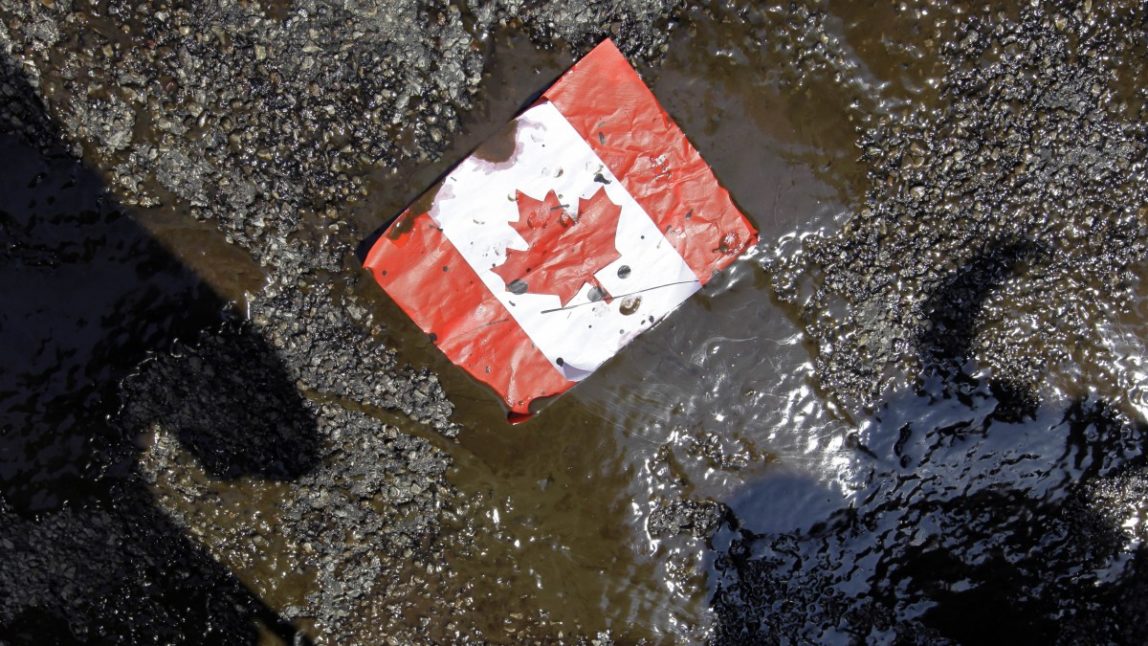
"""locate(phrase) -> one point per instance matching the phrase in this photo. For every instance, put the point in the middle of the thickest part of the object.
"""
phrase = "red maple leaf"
(564, 251)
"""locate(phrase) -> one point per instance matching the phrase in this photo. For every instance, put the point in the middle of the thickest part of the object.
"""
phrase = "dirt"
(915, 413)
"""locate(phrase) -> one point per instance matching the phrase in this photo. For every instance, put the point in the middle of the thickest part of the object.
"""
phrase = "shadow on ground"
(103, 334)
(980, 515)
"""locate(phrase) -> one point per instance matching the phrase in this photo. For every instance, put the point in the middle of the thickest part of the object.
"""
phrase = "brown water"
(725, 379)
(568, 493)
(720, 398)
(714, 402)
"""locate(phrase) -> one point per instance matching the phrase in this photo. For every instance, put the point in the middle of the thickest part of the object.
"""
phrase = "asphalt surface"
(964, 315)
(262, 121)
(236, 459)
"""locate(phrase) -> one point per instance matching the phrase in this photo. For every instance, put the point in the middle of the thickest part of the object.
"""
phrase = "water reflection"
(692, 409)
(970, 502)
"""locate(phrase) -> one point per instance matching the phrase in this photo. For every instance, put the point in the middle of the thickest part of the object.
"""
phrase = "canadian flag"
(585, 222)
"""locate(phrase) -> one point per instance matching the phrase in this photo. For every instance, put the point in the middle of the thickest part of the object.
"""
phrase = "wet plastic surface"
(570, 248)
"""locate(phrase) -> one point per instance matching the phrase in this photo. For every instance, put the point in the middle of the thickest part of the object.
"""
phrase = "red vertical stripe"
(434, 285)
(609, 105)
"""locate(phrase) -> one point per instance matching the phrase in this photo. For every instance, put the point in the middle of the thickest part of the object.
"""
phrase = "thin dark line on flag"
(490, 323)
(617, 296)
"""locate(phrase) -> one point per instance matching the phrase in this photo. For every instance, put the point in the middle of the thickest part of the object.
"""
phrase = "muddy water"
(719, 402)
(87, 293)
(713, 397)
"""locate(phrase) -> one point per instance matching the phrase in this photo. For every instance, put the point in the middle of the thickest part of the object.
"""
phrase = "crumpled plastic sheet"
(469, 316)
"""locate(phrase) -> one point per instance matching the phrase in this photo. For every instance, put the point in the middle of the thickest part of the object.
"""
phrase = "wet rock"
(264, 121)
(697, 518)
(997, 242)
(1026, 149)
(228, 401)
(107, 122)
(333, 346)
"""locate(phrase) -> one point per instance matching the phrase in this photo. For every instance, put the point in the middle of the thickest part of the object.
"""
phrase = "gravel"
(1033, 166)
(265, 121)
(962, 314)
(1016, 200)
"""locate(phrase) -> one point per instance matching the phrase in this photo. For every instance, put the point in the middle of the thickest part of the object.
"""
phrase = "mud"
(499, 149)
(914, 414)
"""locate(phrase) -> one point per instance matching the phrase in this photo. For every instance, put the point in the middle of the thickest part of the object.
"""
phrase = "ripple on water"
(717, 394)
(855, 520)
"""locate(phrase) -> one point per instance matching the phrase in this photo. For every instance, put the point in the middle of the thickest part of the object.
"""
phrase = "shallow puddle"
(714, 396)
(843, 514)
(719, 402)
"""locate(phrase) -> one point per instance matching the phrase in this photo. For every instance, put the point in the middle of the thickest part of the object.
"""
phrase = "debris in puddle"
(590, 235)
(630, 305)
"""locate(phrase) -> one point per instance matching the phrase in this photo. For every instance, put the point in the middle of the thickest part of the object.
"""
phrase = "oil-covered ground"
(914, 414)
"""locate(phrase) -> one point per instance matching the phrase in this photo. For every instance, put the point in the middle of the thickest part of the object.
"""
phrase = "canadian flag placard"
(585, 222)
